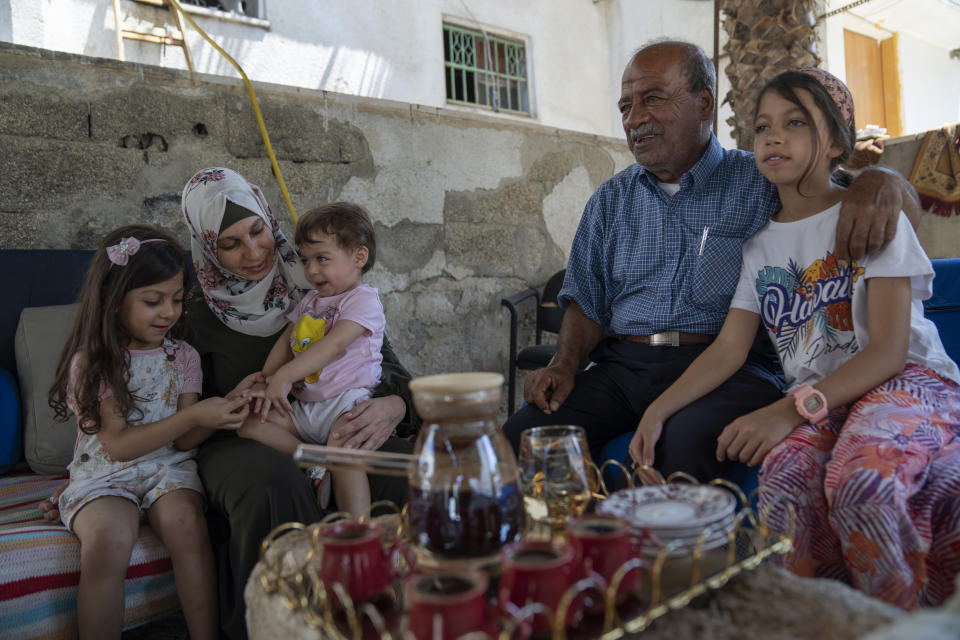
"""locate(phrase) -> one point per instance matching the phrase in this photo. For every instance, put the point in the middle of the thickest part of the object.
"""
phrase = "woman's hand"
(750, 438)
(371, 422)
(646, 436)
(50, 508)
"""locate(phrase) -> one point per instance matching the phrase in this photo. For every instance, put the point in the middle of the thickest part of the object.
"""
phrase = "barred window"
(249, 8)
(486, 71)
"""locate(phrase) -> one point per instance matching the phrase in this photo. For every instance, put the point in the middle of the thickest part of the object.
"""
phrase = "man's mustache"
(644, 130)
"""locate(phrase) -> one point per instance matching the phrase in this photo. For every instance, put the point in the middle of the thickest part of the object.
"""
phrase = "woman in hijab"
(249, 276)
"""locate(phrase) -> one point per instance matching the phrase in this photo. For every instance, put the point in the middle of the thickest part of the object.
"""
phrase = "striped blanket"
(40, 567)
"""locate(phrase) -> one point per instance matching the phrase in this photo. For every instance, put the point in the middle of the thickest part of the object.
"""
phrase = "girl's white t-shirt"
(815, 312)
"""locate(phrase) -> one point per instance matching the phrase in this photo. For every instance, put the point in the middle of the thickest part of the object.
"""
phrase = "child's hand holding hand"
(253, 381)
(275, 395)
(221, 413)
(255, 394)
(750, 438)
(250, 388)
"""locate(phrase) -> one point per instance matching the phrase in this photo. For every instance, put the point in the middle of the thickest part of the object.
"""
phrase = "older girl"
(864, 444)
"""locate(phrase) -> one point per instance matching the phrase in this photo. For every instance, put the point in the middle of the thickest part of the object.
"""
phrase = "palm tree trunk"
(766, 37)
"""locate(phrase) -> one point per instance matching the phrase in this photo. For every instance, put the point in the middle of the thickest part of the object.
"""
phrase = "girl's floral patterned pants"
(876, 491)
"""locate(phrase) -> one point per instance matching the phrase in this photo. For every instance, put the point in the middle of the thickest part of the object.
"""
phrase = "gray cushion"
(41, 334)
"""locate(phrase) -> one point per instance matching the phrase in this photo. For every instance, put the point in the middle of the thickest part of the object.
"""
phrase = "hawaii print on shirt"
(808, 311)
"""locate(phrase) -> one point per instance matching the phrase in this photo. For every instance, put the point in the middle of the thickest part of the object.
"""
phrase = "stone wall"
(467, 208)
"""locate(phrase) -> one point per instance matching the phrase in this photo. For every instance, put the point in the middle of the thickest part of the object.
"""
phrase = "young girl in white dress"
(134, 389)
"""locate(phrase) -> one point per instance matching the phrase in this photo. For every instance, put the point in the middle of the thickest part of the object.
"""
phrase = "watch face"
(812, 404)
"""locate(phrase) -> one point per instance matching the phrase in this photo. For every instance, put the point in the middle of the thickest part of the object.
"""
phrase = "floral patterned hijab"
(252, 307)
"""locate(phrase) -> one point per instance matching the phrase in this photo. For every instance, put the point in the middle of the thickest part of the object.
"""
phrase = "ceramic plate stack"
(677, 514)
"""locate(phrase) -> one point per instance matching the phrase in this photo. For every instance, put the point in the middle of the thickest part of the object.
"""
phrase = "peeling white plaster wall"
(562, 207)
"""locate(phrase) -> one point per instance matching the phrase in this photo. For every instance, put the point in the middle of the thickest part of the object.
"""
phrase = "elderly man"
(655, 262)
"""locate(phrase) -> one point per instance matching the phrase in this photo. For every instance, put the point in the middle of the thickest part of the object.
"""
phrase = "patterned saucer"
(675, 506)
(651, 550)
(725, 524)
(690, 534)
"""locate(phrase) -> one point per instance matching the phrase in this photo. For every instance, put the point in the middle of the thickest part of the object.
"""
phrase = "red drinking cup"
(448, 604)
(601, 545)
(535, 571)
(353, 555)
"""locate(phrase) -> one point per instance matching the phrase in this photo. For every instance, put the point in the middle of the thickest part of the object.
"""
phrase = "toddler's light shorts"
(314, 420)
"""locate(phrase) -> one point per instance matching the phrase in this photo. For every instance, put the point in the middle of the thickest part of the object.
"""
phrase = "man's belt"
(671, 339)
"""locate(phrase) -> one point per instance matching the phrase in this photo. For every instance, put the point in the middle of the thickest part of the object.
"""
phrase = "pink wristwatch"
(811, 404)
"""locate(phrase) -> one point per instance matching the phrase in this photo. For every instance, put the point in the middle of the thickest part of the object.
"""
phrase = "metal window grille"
(250, 8)
(489, 73)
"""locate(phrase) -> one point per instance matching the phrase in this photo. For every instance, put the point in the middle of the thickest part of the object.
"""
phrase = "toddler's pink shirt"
(358, 366)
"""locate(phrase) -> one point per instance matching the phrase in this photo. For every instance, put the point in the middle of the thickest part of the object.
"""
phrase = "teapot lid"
(457, 383)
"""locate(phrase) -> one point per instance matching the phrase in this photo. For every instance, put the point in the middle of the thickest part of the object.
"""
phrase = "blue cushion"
(946, 283)
(617, 449)
(11, 447)
(948, 325)
(41, 278)
(943, 307)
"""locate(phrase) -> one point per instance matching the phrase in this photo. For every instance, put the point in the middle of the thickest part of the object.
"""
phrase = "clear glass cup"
(556, 478)
(464, 501)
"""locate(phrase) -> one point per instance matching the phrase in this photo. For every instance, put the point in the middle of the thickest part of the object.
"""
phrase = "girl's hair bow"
(119, 254)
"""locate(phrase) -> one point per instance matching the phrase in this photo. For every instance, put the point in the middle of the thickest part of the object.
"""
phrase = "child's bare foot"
(321, 485)
(323, 488)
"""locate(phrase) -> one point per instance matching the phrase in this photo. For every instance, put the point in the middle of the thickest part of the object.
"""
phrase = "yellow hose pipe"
(253, 101)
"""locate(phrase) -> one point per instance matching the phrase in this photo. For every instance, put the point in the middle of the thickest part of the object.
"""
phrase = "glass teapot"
(464, 500)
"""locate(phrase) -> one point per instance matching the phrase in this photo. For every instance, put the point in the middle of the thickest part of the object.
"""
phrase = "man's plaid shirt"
(636, 265)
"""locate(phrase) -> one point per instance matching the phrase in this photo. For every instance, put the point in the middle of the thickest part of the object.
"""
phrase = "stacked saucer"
(676, 514)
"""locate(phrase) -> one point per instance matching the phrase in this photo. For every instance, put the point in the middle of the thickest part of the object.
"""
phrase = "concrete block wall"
(467, 207)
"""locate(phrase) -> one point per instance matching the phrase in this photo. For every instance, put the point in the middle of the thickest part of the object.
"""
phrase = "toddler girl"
(864, 443)
(329, 356)
(134, 390)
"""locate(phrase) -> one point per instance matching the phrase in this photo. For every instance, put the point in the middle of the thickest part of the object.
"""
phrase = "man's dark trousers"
(609, 398)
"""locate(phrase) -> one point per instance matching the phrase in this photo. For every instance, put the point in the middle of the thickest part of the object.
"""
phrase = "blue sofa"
(35, 279)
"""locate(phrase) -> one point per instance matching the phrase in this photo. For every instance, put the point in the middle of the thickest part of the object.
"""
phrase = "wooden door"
(873, 79)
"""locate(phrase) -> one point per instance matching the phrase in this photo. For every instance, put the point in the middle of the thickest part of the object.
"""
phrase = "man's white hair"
(698, 67)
